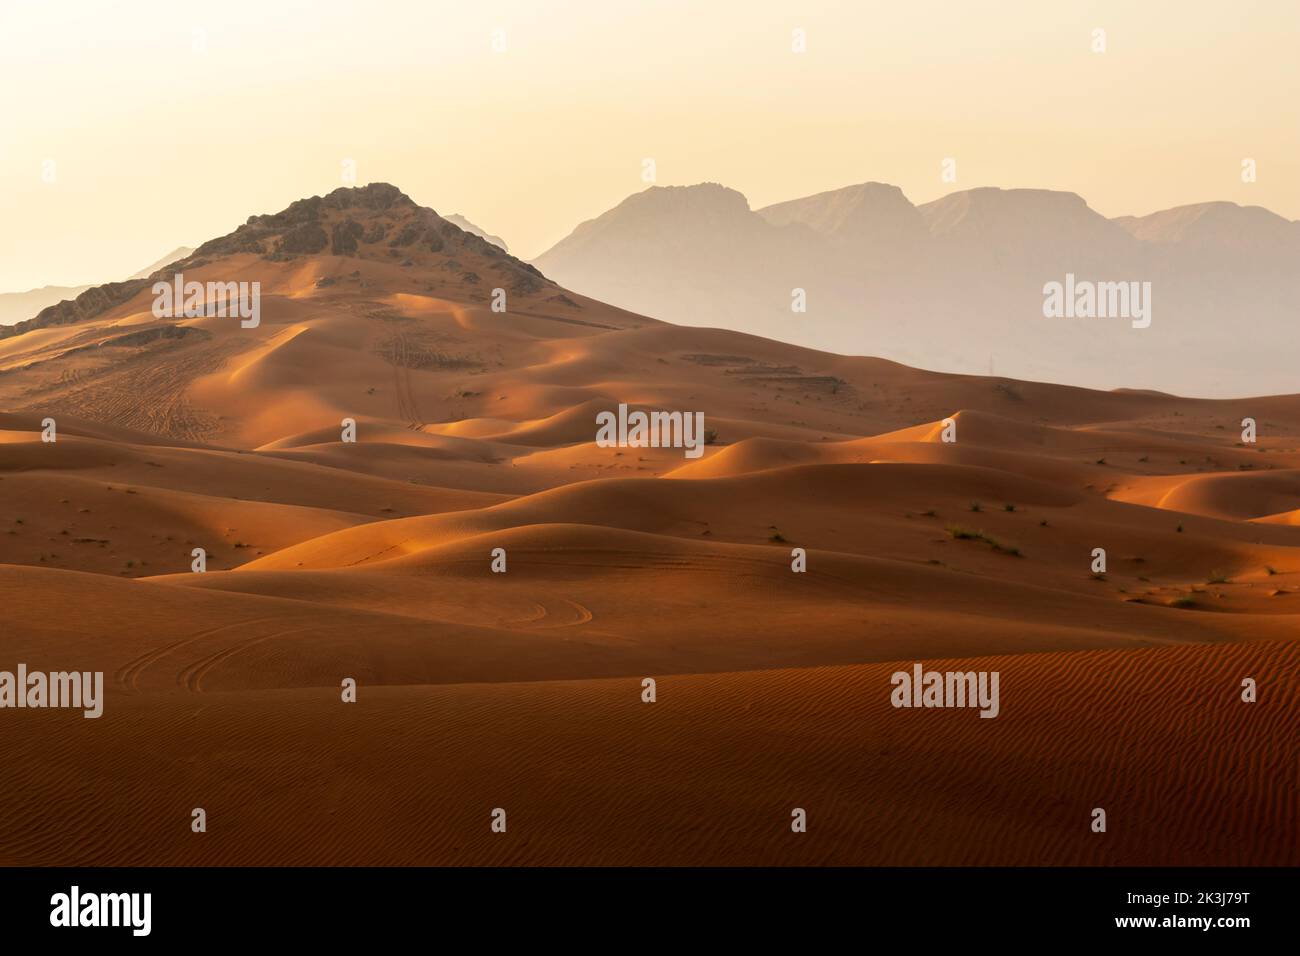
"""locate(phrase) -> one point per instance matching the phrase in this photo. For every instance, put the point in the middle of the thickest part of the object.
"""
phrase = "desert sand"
(475, 430)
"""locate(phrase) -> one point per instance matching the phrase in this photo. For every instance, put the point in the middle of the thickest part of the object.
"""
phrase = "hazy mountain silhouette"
(176, 255)
(957, 284)
(460, 221)
(872, 217)
(18, 306)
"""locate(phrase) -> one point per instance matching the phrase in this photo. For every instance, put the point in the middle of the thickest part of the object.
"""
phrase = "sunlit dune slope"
(395, 476)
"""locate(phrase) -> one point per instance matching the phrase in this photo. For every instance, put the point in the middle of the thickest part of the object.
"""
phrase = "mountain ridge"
(359, 218)
(957, 283)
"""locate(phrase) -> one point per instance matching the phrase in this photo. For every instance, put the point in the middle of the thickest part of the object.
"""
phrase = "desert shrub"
(966, 534)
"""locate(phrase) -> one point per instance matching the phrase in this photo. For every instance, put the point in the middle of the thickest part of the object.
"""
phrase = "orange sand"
(522, 690)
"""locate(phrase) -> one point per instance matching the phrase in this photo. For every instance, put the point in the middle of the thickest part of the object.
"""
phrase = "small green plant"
(1179, 529)
(776, 537)
(1216, 578)
(976, 506)
(1270, 570)
(966, 534)
(1182, 602)
(1008, 507)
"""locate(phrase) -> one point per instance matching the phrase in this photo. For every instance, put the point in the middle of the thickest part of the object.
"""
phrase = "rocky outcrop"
(344, 222)
(308, 238)
(344, 238)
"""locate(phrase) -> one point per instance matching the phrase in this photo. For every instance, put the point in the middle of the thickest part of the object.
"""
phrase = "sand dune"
(709, 774)
(1241, 496)
(475, 430)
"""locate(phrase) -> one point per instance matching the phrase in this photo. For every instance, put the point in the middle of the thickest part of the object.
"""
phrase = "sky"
(131, 128)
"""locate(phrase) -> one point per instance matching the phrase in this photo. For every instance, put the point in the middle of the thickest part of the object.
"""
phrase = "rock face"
(350, 221)
(345, 236)
(307, 238)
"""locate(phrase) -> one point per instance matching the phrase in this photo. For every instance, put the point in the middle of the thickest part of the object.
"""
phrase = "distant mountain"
(18, 306)
(460, 221)
(672, 221)
(698, 253)
(1243, 244)
(1214, 223)
(986, 226)
(177, 254)
(958, 284)
(871, 215)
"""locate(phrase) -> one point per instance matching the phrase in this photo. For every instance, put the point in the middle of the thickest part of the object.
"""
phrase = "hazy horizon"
(201, 119)
(947, 523)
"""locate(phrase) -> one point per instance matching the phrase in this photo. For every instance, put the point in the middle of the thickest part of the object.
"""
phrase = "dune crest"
(397, 478)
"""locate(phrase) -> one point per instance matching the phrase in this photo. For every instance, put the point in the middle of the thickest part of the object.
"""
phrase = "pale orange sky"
(158, 144)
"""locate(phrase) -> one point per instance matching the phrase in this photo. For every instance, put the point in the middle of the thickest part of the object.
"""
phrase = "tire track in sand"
(128, 675)
(191, 677)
